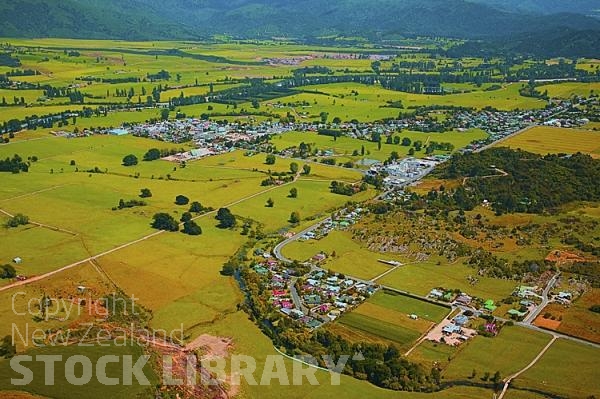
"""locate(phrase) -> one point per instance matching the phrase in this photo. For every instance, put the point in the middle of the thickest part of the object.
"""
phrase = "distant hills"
(197, 19)
(585, 7)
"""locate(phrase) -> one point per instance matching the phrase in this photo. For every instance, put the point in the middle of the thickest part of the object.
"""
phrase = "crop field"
(385, 330)
(553, 140)
(408, 305)
(577, 320)
(507, 353)
(386, 318)
(567, 368)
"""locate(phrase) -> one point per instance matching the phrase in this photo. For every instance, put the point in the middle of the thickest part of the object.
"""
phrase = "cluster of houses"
(315, 298)
(343, 220)
(453, 331)
(463, 300)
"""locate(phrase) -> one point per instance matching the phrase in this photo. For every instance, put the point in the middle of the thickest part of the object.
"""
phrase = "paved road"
(531, 317)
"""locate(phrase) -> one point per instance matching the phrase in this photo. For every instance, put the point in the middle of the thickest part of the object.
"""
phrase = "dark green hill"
(185, 19)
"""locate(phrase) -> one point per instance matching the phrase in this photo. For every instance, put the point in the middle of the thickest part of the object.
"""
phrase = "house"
(435, 293)
(489, 305)
(348, 283)
(334, 314)
(333, 288)
(18, 260)
(464, 299)
(278, 293)
(524, 291)
(313, 282)
(260, 269)
(332, 280)
(81, 289)
(312, 299)
(515, 312)
(461, 320)
(414, 316)
(118, 132)
(319, 257)
(451, 329)
(313, 323)
(565, 295)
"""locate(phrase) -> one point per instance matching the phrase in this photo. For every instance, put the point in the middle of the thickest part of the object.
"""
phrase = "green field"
(552, 140)
(420, 278)
(570, 89)
(408, 305)
(345, 146)
(347, 251)
(400, 336)
(507, 353)
(93, 389)
(567, 368)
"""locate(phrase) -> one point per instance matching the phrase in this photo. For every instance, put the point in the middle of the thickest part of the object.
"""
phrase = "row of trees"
(15, 164)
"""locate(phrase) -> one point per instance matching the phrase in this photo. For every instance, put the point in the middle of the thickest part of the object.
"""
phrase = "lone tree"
(182, 200)
(17, 220)
(152, 154)
(130, 160)
(294, 193)
(294, 168)
(164, 221)
(7, 271)
(186, 217)
(270, 160)
(190, 227)
(145, 193)
(225, 218)
(306, 169)
(7, 348)
(294, 218)
(164, 114)
(196, 207)
(270, 203)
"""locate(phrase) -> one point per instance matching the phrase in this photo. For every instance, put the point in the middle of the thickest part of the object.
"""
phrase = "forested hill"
(187, 19)
(559, 42)
(523, 181)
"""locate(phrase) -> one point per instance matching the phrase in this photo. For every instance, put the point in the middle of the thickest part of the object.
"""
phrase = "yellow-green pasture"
(552, 140)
